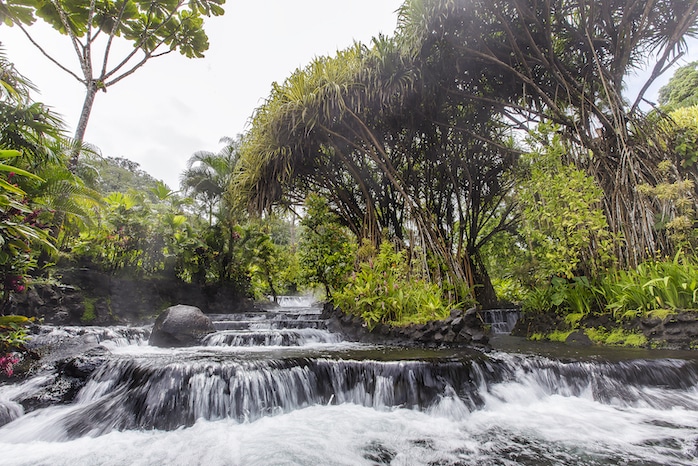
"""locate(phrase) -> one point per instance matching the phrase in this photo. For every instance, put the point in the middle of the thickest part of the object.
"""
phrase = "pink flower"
(7, 363)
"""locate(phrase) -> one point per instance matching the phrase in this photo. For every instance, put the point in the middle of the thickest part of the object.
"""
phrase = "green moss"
(536, 337)
(559, 335)
(616, 337)
(660, 313)
(573, 319)
(89, 315)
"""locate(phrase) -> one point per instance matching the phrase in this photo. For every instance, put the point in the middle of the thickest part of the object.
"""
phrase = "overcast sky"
(176, 106)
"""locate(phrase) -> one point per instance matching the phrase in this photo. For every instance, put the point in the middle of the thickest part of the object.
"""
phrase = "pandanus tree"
(391, 153)
(94, 28)
(566, 61)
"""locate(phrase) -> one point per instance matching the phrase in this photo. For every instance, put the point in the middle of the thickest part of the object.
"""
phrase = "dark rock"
(686, 317)
(650, 323)
(180, 325)
(61, 389)
(447, 332)
(457, 324)
(480, 338)
(578, 339)
(464, 336)
(672, 330)
(472, 318)
(84, 365)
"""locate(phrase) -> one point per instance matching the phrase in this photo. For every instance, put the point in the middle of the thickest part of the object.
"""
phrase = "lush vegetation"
(484, 153)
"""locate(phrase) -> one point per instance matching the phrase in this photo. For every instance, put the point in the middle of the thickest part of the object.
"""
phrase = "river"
(276, 388)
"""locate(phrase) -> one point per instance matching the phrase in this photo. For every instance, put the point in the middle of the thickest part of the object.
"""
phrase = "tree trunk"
(485, 294)
(90, 93)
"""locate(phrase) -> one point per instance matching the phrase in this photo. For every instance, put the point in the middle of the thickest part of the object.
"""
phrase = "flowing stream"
(276, 388)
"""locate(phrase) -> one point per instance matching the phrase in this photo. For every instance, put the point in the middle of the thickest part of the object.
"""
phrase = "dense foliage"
(385, 291)
(682, 89)
(484, 153)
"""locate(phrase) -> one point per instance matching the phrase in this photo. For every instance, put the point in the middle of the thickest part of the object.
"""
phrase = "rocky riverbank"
(461, 328)
(671, 329)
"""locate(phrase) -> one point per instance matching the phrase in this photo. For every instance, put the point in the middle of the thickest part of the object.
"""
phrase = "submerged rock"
(62, 379)
(180, 325)
(578, 338)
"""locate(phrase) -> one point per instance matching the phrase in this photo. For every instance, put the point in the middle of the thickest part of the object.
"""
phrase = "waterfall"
(294, 301)
(501, 320)
(276, 387)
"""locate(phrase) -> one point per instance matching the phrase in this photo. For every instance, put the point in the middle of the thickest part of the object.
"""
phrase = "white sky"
(174, 106)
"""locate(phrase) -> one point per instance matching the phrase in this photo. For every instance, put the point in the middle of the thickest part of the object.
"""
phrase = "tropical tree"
(566, 62)
(562, 223)
(326, 250)
(392, 153)
(25, 129)
(682, 88)
(26, 126)
(93, 28)
(208, 175)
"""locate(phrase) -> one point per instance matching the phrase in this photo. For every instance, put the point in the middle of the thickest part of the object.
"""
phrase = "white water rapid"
(277, 388)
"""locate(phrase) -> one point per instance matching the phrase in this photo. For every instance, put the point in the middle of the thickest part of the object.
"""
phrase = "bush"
(383, 291)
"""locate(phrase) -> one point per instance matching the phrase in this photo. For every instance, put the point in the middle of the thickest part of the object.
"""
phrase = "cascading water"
(279, 388)
(501, 320)
(300, 302)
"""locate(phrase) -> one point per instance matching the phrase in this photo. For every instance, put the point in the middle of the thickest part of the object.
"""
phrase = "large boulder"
(180, 325)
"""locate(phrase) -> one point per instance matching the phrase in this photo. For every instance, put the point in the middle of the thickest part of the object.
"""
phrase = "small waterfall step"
(268, 324)
(288, 318)
(501, 320)
(130, 394)
(294, 301)
(263, 316)
(274, 337)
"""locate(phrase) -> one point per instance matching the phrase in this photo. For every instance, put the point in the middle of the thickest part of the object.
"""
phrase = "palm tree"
(208, 175)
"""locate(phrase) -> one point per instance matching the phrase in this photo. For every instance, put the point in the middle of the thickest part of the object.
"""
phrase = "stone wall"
(461, 328)
(678, 330)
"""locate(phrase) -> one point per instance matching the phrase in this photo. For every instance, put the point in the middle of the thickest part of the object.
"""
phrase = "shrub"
(383, 291)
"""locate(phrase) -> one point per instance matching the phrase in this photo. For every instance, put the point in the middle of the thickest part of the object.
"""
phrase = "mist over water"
(301, 396)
